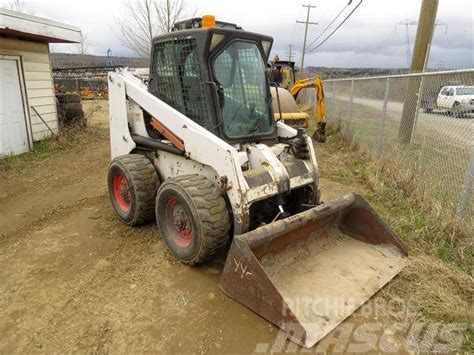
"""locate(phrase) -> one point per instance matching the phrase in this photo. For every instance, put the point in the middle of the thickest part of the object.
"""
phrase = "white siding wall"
(38, 82)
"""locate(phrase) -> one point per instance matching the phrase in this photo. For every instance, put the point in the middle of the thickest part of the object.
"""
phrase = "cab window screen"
(177, 72)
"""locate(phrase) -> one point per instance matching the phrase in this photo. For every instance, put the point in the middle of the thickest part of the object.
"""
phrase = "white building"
(26, 81)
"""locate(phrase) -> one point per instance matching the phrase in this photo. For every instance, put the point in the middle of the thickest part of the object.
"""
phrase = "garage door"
(13, 134)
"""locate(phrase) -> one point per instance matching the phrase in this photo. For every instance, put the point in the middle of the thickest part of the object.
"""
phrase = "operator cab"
(214, 73)
(282, 73)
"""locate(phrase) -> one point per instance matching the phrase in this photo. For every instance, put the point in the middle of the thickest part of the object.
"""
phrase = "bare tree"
(83, 48)
(170, 11)
(142, 20)
(16, 5)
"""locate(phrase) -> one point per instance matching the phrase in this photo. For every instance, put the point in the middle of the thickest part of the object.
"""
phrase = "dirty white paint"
(39, 26)
(27, 37)
(13, 128)
(36, 72)
(205, 153)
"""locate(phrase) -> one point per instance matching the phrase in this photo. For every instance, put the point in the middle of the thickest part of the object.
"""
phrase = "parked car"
(457, 100)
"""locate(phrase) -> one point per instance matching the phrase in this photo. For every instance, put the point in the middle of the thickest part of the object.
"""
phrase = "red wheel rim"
(178, 222)
(122, 192)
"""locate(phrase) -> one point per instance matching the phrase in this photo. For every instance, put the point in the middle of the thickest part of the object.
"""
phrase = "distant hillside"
(67, 60)
(327, 73)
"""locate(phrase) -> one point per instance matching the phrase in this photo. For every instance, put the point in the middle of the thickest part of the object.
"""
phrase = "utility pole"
(290, 53)
(306, 23)
(439, 23)
(407, 23)
(424, 36)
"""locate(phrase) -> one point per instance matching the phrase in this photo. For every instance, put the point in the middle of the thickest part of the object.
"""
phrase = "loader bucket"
(310, 271)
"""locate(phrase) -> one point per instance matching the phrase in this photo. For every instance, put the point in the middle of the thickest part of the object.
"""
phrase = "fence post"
(378, 151)
(351, 100)
(337, 112)
(467, 187)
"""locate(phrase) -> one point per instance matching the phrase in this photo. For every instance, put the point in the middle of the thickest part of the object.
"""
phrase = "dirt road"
(73, 278)
(459, 130)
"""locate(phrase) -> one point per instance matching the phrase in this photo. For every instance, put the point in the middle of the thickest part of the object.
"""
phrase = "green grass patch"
(40, 149)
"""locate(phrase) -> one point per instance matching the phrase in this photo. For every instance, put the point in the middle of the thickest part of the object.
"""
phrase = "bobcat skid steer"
(196, 147)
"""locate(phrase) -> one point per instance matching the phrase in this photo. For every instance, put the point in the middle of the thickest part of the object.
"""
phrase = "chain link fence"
(88, 88)
(419, 126)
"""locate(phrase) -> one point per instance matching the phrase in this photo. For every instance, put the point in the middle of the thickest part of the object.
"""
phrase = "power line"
(408, 23)
(290, 52)
(440, 23)
(306, 23)
(330, 23)
(295, 26)
(343, 21)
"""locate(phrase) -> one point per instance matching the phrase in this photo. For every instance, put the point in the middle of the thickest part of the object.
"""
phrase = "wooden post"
(424, 36)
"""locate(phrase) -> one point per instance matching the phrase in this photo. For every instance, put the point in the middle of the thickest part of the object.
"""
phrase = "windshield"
(465, 91)
(240, 70)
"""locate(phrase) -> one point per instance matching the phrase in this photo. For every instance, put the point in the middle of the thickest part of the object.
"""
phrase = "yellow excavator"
(285, 90)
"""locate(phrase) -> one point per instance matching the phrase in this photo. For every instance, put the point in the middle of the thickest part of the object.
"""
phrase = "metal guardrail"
(438, 160)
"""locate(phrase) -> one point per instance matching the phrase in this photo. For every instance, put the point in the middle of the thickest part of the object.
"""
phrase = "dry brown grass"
(436, 294)
(440, 291)
(421, 219)
(437, 283)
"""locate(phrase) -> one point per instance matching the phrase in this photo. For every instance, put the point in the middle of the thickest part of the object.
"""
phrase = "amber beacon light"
(208, 21)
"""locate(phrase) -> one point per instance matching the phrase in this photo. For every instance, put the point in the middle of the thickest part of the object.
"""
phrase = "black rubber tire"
(143, 183)
(72, 107)
(73, 115)
(456, 112)
(208, 214)
(68, 98)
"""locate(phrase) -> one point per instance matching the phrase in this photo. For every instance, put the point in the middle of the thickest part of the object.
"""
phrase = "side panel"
(170, 165)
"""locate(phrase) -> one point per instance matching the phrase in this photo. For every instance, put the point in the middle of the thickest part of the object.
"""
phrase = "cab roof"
(196, 22)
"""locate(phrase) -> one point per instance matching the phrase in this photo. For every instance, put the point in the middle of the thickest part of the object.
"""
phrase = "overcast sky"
(367, 39)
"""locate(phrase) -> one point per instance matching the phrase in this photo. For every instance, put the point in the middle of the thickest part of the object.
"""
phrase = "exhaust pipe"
(309, 272)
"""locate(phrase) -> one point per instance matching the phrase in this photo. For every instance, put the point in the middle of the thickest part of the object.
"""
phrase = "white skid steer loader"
(196, 147)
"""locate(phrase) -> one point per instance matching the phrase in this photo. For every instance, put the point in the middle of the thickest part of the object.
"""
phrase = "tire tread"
(212, 211)
(145, 184)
